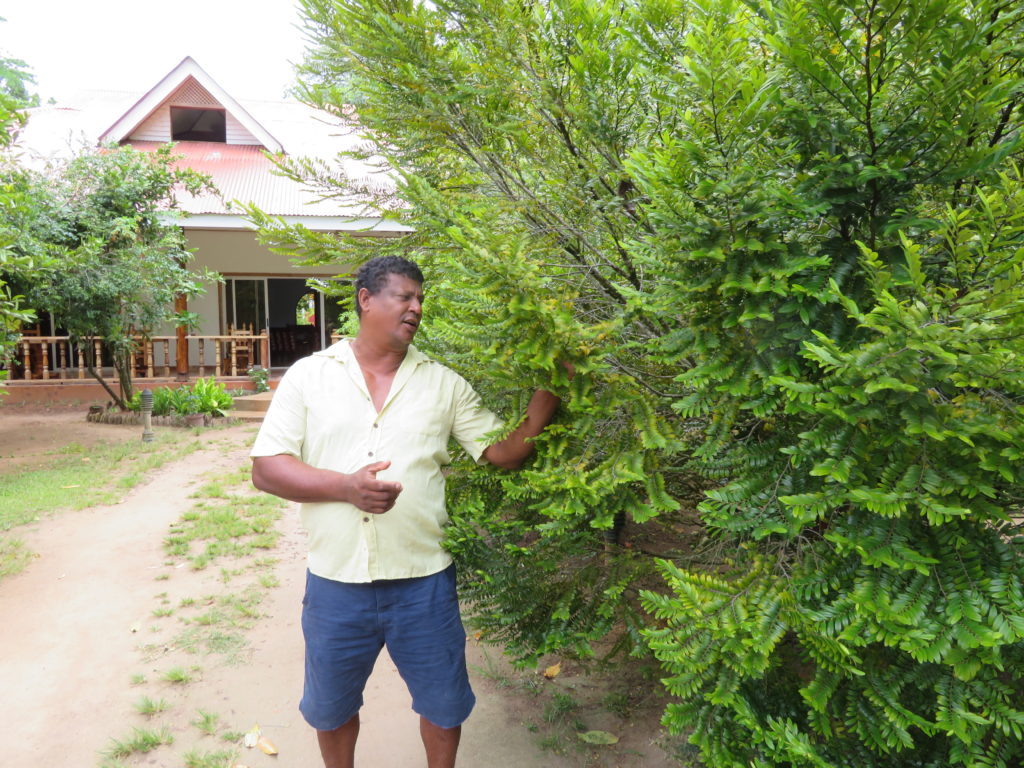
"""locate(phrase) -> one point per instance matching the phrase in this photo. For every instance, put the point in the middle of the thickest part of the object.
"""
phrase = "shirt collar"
(342, 352)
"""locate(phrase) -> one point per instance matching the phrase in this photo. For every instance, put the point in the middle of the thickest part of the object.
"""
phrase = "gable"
(150, 119)
(191, 94)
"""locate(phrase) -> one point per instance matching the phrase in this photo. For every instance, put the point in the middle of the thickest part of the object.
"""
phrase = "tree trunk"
(90, 365)
(123, 369)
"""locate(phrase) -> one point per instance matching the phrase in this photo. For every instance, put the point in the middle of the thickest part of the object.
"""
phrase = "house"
(264, 308)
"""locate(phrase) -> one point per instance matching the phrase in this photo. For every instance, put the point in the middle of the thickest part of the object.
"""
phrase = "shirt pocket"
(420, 431)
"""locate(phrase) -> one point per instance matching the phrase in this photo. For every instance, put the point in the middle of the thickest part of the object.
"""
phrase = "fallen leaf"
(598, 737)
(252, 736)
(552, 672)
(71, 486)
(266, 746)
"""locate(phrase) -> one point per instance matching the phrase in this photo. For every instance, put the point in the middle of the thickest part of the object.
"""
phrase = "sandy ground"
(80, 623)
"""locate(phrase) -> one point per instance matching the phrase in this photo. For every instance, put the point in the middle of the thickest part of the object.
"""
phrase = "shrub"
(204, 396)
(782, 244)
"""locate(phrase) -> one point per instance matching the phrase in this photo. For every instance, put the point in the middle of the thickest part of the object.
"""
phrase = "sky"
(246, 46)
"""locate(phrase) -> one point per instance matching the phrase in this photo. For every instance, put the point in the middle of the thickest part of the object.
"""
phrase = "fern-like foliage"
(855, 335)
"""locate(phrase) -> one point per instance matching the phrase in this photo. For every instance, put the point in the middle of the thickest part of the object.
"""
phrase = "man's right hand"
(290, 478)
(370, 494)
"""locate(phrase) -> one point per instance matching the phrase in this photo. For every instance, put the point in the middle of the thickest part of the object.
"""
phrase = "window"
(188, 124)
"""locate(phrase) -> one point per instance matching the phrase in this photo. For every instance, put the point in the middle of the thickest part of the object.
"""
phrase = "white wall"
(232, 254)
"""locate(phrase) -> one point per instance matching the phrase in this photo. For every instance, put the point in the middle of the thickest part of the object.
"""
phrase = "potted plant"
(194, 417)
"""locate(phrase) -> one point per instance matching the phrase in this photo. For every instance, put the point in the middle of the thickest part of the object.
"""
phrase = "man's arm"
(291, 478)
(511, 452)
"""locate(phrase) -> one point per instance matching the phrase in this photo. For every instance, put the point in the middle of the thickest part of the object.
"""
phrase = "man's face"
(393, 314)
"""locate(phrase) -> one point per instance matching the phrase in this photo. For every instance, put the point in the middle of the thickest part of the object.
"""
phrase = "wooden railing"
(43, 358)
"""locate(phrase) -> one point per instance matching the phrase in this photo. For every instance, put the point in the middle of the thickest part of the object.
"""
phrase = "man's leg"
(441, 743)
(338, 747)
(426, 641)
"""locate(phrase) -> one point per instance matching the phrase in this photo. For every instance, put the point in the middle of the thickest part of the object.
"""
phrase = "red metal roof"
(244, 173)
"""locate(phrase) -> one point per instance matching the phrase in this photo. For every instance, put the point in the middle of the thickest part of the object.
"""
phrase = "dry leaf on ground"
(598, 737)
(252, 736)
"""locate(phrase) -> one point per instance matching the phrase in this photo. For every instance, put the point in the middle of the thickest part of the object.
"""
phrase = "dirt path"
(82, 621)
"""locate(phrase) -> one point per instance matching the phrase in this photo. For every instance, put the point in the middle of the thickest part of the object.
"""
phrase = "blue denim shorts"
(346, 625)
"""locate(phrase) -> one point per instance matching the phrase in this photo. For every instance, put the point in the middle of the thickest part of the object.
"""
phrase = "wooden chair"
(241, 352)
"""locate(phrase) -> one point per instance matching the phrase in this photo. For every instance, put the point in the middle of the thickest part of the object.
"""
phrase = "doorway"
(299, 319)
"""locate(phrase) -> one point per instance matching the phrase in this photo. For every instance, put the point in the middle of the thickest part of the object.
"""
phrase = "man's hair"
(373, 275)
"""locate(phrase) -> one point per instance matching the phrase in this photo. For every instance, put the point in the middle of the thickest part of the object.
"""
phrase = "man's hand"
(290, 478)
(370, 494)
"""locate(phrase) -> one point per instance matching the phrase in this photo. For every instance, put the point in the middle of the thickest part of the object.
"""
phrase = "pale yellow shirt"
(323, 414)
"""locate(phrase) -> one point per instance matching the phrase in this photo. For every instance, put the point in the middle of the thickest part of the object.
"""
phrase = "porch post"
(181, 349)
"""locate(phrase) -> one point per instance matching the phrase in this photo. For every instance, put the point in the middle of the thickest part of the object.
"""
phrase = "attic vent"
(192, 94)
(198, 124)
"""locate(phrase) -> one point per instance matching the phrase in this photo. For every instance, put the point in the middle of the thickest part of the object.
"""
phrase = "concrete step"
(258, 403)
(247, 415)
(251, 407)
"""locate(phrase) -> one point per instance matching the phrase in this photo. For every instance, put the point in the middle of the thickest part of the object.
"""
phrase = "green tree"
(840, 217)
(782, 243)
(105, 222)
(14, 97)
(511, 163)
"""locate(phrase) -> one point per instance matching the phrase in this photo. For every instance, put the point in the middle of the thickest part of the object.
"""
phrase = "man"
(358, 433)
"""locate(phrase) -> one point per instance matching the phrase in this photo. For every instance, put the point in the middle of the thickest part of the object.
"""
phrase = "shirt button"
(374, 426)
(366, 519)
(369, 453)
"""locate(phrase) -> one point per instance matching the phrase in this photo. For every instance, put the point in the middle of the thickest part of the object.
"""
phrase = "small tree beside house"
(14, 97)
(104, 221)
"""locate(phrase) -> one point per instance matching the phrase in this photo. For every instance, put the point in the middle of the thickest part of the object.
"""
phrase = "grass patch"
(218, 629)
(149, 707)
(215, 489)
(72, 480)
(14, 556)
(178, 676)
(207, 722)
(561, 704)
(235, 526)
(222, 759)
(141, 740)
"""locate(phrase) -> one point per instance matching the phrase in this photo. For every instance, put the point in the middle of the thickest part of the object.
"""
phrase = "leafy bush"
(260, 378)
(204, 396)
(208, 396)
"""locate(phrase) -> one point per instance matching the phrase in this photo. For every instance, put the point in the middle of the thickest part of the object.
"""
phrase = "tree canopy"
(103, 224)
(14, 98)
(782, 244)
